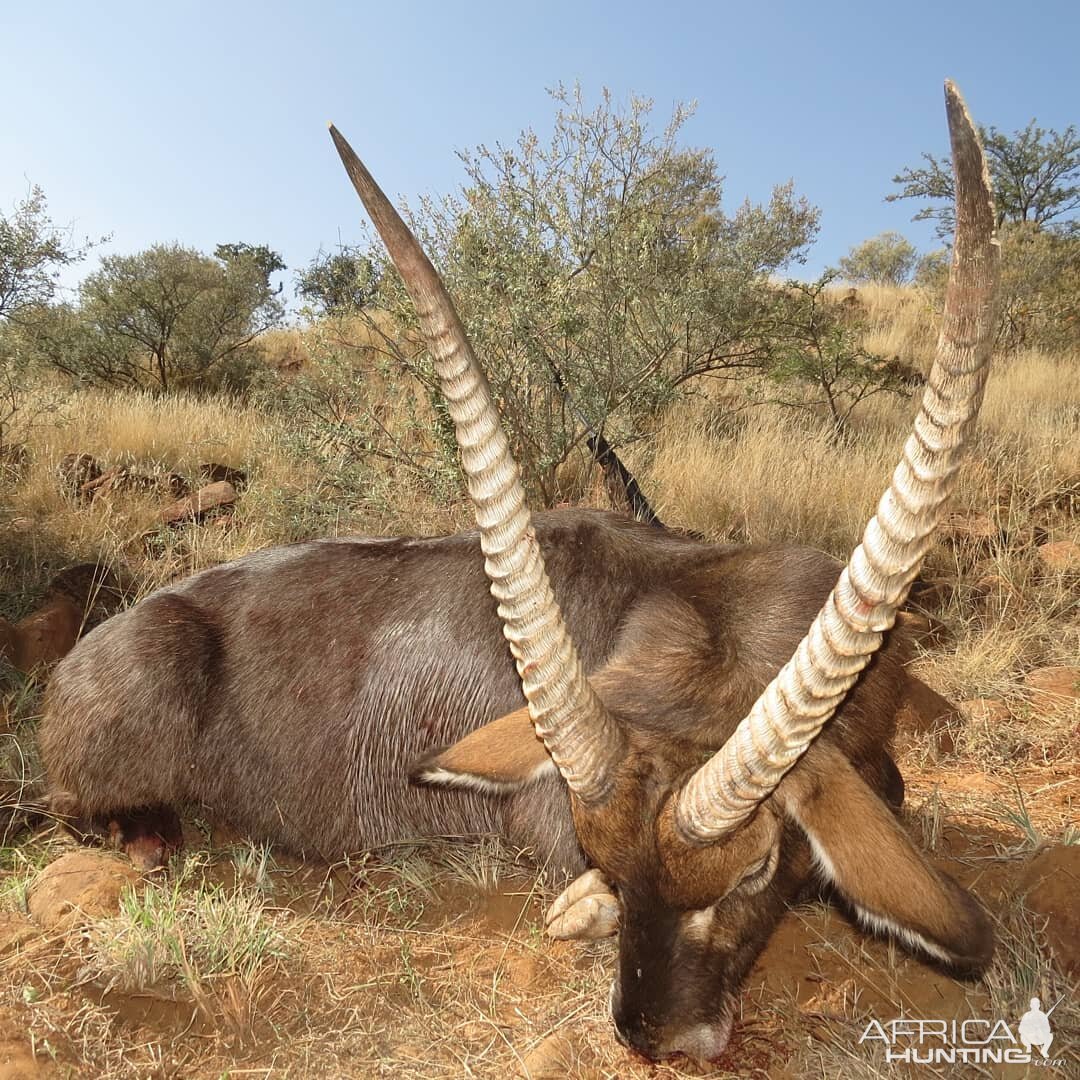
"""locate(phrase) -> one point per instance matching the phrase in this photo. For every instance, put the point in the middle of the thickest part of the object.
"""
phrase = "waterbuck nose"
(636, 1037)
(703, 1042)
(630, 1028)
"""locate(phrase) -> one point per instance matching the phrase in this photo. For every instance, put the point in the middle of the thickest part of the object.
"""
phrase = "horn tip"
(957, 110)
(343, 147)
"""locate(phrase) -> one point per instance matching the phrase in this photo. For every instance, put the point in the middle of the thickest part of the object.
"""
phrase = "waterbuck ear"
(861, 849)
(497, 759)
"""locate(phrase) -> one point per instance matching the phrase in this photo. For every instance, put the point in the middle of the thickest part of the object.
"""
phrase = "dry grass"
(44, 528)
(772, 478)
(429, 960)
(289, 497)
(773, 474)
(900, 321)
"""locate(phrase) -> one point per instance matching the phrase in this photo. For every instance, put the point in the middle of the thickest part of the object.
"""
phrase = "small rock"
(1052, 687)
(1060, 555)
(553, 1058)
(216, 497)
(77, 887)
(925, 629)
(1051, 884)
(984, 710)
(223, 523)
(48, 634)
(990, 584)
(77, 470)
(15, 931)
(213, 471)
(522, 971)
(915, 623)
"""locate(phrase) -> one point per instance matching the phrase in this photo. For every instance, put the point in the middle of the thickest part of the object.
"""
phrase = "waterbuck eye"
(758, 874)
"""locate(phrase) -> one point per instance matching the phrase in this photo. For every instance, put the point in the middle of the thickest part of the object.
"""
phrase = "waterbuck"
(636, 702)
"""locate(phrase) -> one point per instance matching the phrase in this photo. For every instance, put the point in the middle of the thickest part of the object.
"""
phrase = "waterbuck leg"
(622, 486)
(148, 836)
(586, 910)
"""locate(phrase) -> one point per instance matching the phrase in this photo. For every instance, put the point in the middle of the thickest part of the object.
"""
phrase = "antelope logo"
(662, 727)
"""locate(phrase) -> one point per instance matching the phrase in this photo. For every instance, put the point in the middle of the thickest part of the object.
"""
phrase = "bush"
(1040, 289)
(598, 277)
(1039, 297)
(168, 317)
(887, 259)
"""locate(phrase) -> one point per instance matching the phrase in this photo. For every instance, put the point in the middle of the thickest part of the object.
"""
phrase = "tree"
(1039, 295)
(1035, 174)
(887, 259)
(602, 254)
(168, 315)
(338, 283)
(932, 270)
(263, 258)
(33, 251)
(818, 348)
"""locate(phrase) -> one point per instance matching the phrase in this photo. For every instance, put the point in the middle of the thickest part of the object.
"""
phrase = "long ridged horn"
(810, 687)
(583, 739)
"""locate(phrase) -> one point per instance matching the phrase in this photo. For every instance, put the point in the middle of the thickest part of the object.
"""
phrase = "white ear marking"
(873, 921)
(439, 776)
(881, 924)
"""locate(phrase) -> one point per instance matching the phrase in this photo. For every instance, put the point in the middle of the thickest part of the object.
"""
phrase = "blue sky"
(205, 123)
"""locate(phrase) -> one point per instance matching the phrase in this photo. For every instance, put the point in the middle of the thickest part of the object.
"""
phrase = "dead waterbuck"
(661, 715)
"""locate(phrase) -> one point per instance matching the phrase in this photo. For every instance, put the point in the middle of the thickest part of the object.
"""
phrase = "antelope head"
(704, 846)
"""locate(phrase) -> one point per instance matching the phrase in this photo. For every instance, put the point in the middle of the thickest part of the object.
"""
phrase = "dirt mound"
(21, 1058)
(1052, 687)
(79, 886)
(1050, 886)
(553, 1058)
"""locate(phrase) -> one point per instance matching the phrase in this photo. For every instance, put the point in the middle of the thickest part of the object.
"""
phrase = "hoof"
(586, 910)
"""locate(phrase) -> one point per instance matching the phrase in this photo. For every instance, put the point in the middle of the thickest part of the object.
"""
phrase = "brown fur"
(291, 691)
(875, 866)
